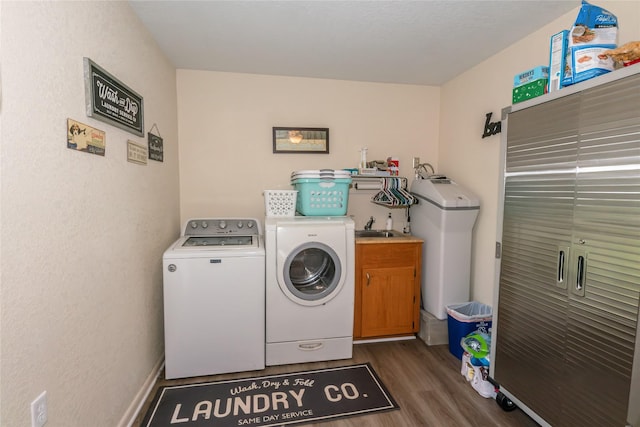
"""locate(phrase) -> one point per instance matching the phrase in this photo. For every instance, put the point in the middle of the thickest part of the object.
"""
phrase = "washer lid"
(201, 248)
(219, 241)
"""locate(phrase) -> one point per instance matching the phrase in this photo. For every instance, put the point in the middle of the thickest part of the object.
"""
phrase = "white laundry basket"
(280, 203)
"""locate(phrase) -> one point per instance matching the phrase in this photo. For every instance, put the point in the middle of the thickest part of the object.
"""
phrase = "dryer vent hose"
(422, 171)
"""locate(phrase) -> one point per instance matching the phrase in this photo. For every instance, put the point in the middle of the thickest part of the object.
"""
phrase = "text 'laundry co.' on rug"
(273, 400)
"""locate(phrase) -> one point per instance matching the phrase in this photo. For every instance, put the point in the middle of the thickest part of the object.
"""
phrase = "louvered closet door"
(605, 264)
(538, 216)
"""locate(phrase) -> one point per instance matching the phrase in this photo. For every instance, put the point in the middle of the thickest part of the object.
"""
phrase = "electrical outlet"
(416, 162)
(39, 410)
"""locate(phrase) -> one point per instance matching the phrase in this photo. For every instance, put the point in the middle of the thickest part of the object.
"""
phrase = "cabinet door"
(387, 294)
(604, 283)
(388, 298)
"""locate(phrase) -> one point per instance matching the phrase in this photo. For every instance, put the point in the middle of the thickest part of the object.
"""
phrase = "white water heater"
(444, 217)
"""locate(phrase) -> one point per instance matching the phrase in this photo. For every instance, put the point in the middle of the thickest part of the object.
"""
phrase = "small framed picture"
(300, 140)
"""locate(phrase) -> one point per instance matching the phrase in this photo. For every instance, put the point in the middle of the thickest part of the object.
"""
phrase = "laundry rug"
(273, 400)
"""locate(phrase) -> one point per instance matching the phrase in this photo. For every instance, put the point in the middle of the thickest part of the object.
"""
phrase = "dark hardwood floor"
(425, 382)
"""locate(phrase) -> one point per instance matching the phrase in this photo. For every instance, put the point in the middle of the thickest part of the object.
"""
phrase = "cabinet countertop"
(403, 238)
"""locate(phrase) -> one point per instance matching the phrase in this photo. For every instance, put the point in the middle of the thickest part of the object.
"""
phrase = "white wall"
(225, 128)
(82, 235)
(474, 161)
(225, 122)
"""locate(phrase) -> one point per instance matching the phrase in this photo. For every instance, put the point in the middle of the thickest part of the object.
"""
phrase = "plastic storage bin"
(280, 203)
(322, 196)
(462, 319)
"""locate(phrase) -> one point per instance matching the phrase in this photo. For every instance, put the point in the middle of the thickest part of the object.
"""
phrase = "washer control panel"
(221, 227)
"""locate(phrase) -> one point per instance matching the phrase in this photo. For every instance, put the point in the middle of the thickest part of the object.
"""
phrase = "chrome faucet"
(369, 223)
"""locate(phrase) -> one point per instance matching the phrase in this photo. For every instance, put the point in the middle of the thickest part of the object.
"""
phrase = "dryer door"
(312, 274)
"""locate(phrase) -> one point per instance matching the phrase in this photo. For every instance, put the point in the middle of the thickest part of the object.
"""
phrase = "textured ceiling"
(414, 42)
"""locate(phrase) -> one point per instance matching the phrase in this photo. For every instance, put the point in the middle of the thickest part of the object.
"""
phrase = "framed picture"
(111, 101)
(301, 140)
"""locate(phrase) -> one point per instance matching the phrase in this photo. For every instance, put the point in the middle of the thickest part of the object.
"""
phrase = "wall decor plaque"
(81, 137)
(111, 101)
(491, 128)
(156, 147)
(137, 153)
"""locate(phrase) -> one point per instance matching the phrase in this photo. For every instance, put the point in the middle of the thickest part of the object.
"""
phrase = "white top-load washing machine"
(444, 217)
(214, 298)
(309, 289)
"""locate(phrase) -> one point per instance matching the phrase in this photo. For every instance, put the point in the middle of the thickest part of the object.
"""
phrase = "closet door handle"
(368, 279)
(580, 273)
(561, 268)
(580, 262)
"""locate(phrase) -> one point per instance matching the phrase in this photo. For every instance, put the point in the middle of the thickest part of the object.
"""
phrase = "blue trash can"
(462, 319)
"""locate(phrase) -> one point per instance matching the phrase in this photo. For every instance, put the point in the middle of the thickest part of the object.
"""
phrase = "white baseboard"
(132, 411)
(402, 338)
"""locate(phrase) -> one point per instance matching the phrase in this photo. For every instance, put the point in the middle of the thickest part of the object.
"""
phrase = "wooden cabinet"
(387, 282)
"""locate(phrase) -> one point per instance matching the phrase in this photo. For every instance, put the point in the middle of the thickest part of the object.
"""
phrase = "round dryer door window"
(312, 272)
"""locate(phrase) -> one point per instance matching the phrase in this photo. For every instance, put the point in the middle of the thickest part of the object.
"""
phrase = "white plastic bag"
(477, 377)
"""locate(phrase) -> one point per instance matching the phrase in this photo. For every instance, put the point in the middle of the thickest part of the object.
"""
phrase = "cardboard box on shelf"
(557, 59)
(530, 90)
(393, 163)
(537, 73)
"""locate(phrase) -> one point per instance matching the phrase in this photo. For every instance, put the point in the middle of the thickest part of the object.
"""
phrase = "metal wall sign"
(156, 149)
(111, 101)
(491, 128)
(81, 137)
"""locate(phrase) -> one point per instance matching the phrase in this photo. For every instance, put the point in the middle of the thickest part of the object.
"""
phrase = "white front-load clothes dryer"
(309, 289)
